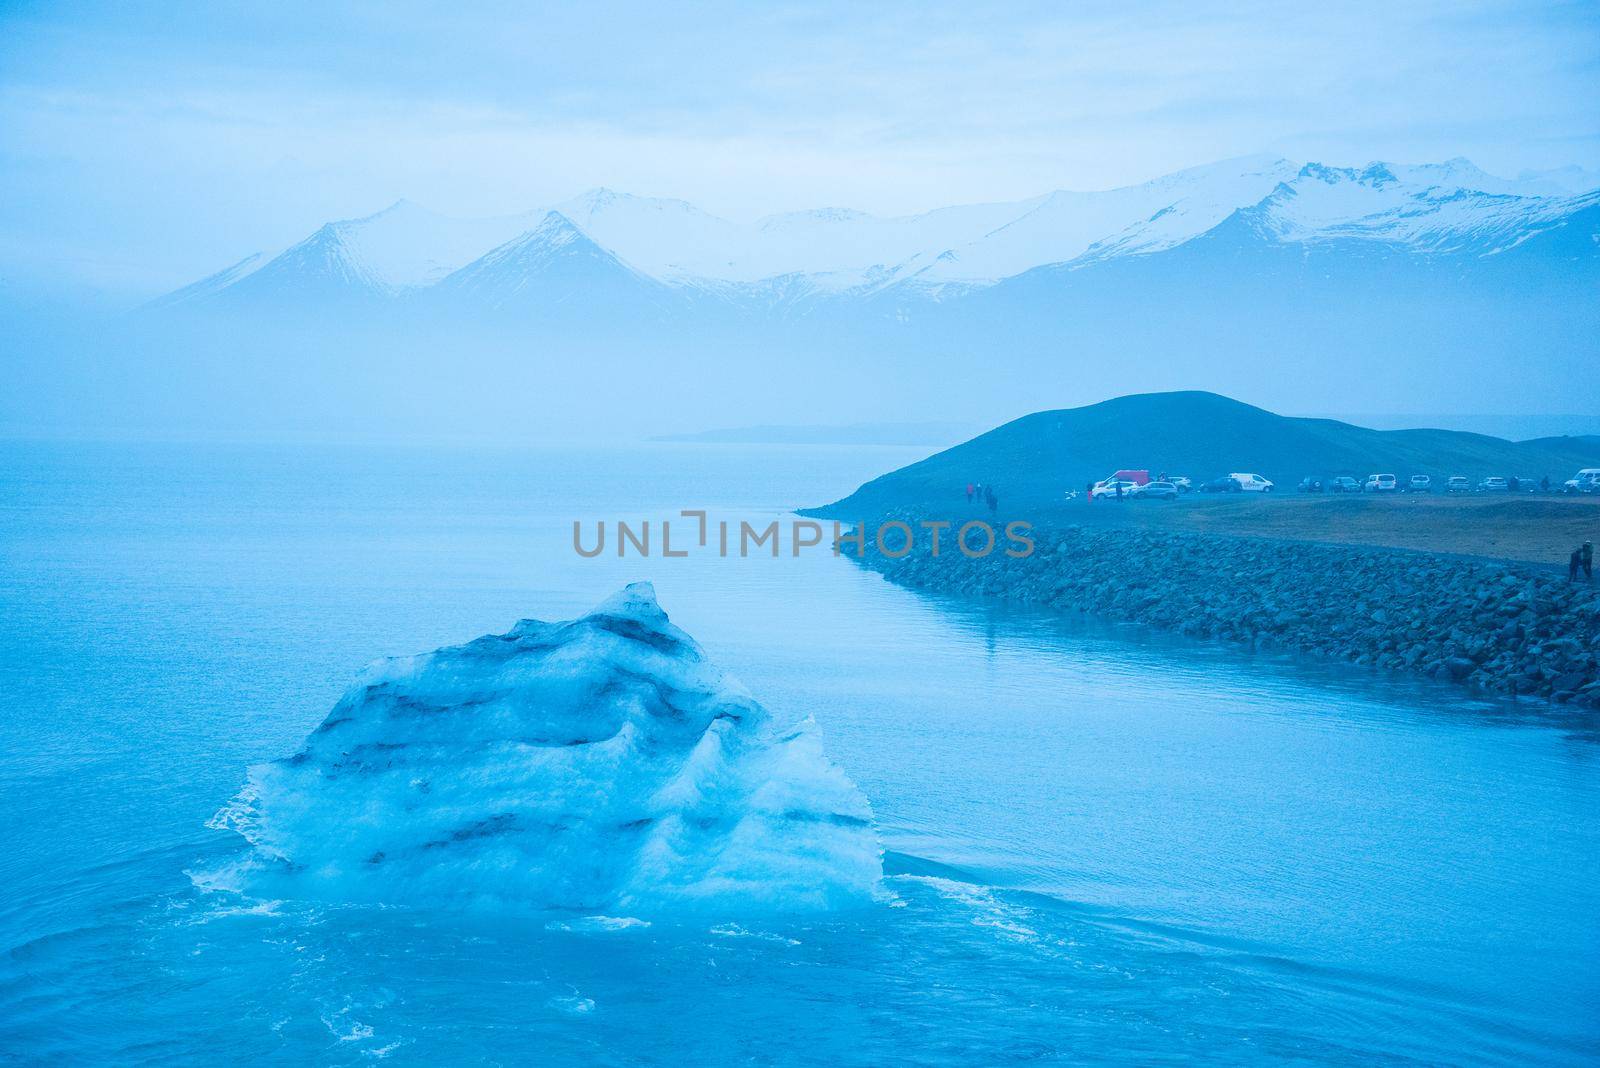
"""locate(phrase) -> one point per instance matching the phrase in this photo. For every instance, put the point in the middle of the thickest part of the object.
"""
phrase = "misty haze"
(800, 535)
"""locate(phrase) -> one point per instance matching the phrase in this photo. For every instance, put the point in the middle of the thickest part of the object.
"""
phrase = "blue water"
(1106, 845)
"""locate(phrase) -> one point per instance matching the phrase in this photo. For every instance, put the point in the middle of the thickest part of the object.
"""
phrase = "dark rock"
(1498, 627)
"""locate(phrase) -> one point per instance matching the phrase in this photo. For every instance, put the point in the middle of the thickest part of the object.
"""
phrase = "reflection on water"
(1106, 844)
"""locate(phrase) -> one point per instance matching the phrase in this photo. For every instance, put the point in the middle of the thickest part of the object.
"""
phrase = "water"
(1106, 845)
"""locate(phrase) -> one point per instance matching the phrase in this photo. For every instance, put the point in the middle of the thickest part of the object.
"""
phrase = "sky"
(142, 146)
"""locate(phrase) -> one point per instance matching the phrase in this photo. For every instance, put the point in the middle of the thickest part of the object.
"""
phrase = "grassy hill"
(1033, 460)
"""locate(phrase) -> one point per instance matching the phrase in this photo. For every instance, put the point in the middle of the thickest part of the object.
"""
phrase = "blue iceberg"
(601, 764)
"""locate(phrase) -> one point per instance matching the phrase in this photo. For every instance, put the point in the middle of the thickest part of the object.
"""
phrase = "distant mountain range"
(935, 434)
(655, 250)
(1036, 459)
(1385, 288)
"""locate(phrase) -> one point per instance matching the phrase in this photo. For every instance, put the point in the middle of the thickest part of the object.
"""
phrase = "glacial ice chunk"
(601, 764)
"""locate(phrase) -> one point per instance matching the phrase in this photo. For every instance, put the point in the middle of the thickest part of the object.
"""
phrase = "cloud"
(171, 141)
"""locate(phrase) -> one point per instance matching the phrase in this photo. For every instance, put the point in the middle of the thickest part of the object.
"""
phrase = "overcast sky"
(144, 145)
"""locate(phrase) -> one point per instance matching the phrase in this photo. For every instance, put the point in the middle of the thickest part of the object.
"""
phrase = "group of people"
(984, 494)
(1582, 559)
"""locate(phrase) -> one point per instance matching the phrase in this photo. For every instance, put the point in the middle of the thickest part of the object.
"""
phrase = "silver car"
(1156, 491)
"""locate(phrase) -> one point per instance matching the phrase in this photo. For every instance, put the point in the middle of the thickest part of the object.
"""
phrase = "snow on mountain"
(793, 257)
(857, 249)
(1141, 218)
(840, 248)
(1376, 204)
(1571, 180)
(671, 240)
(554, 263)
(405, 246)
(402, 248)
(1461, 173)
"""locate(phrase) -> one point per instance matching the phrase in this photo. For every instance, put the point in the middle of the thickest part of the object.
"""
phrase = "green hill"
(1033, 460)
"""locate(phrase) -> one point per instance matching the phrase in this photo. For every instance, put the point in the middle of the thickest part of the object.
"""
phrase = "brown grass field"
(1532, 529)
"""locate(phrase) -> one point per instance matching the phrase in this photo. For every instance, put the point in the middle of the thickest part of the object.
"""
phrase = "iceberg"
(602, 765)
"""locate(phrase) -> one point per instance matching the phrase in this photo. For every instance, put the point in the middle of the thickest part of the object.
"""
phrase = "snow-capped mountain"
(1568, 180)
(1063, 226)
(1375, 204)
(551, 266)
(1431, 287)
(398, 250)
(655, 244)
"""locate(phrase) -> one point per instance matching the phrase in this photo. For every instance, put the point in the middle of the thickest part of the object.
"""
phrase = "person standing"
(969, 493)
(1586, 558)
(1574, 562)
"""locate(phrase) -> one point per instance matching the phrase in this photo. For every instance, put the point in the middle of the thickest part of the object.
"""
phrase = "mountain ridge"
(403, 249)
(1400, 298)
(1033, 460)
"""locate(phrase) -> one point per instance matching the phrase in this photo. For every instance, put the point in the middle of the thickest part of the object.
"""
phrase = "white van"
(1585, 481)
(1251, 483)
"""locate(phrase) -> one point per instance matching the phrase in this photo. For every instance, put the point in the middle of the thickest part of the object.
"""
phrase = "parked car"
(1585, 481)
(1419, 484)
(1493, 484)
(1109, 488)
(1343, 484)
(1221, 485)
(1310, 485)
(1526, 484)
(1251, 483)
(1458, 484)
(1156, 491)
(1381, 484)
(1183, 482)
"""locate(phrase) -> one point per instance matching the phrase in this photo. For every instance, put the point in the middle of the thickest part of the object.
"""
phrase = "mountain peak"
(556, 225)
(556, 264)
(405, 207)
(1435, 207)
(1377, 174)
(601, 196)
(812, 216)
(1321, 172)
(554, 232)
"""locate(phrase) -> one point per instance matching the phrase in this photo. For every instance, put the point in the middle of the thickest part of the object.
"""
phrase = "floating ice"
(601, 764)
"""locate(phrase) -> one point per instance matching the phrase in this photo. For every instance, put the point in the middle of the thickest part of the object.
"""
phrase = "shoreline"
(1497, 626)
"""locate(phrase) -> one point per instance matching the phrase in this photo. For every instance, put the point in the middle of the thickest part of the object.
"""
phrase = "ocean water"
(1103, 845)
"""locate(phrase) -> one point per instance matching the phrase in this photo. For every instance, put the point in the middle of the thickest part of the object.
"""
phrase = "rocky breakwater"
(1499, 627)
